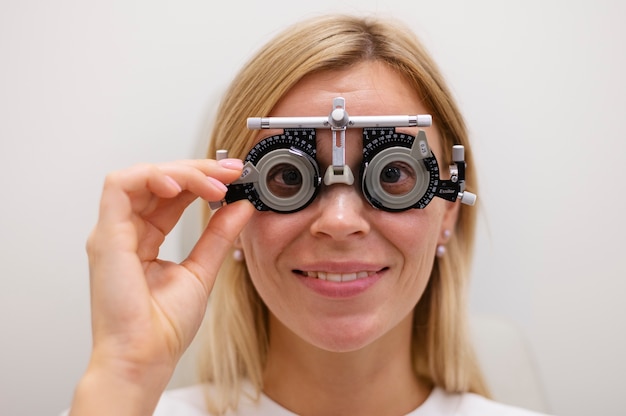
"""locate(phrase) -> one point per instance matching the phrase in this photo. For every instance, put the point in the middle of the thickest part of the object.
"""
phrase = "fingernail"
(231, 163)
(173, 182)
(217, 184)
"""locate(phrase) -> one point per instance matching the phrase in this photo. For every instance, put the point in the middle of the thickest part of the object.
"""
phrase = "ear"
(448, 224)
(237, 243)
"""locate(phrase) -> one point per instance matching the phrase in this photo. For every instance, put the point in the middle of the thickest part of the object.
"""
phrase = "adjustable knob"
(339, 117)
(467, 198)
(458, 153)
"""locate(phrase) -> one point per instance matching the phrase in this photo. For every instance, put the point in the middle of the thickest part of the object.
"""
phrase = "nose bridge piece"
(338, 171)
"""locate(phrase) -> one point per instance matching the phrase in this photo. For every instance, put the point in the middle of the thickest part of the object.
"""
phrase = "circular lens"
(394, 180)
(288, 180)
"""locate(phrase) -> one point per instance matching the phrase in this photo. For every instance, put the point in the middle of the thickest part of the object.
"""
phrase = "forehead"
(369, 88)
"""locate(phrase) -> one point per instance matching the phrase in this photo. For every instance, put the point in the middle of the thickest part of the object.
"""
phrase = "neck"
(375, 380)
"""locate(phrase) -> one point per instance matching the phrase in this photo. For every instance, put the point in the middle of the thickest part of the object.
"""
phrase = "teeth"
(338, 277)
(348, 277)
(333, 277)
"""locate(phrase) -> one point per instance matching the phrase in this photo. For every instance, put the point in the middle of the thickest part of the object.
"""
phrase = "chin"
(342, 338)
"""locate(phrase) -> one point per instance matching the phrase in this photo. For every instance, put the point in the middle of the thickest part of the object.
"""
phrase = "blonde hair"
(237, 334)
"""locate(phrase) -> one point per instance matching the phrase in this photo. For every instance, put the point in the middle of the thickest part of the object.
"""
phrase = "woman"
(341, 304)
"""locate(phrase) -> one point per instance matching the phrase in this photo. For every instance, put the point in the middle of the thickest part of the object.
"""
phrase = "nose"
(341, 214)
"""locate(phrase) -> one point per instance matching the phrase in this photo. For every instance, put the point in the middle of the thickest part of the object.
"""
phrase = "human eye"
(284, 180)
(397, 178)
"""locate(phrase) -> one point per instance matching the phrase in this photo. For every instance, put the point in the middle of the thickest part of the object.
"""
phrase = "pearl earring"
(238, 255)
(441, 248)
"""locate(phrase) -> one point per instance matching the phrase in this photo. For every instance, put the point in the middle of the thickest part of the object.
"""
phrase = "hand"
(146, 311)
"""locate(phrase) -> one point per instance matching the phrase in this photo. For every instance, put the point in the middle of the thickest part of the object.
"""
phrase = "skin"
(344, 348)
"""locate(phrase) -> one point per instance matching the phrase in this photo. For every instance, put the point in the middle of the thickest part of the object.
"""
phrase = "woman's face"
(385, 258)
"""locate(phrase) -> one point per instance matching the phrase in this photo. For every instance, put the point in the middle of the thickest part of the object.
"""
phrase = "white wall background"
(91, 86)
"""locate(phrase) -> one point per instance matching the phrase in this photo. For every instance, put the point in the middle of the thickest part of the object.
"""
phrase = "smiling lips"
(341, 285)
(338, 277)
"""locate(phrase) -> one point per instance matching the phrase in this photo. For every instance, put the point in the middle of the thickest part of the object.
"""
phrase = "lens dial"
(280, 173)
(399, 171)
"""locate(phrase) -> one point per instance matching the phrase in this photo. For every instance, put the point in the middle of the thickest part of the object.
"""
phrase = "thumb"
(215, 242)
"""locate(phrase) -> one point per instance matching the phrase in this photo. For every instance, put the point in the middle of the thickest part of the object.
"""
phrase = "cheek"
(267, 234)
(412, 230)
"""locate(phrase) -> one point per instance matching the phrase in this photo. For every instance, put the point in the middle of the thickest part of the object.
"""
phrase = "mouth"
(338, 277)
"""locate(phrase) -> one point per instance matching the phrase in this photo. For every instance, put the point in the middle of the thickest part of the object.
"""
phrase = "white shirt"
(189, 401)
